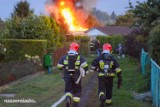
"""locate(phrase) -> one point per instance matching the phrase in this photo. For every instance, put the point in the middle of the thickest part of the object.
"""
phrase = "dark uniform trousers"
(105, 85)
(71, 65)
(71, 86)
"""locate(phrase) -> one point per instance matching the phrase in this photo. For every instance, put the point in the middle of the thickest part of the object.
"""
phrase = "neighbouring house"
(108, 31)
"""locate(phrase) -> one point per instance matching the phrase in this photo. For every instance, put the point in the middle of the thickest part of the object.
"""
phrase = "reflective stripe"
(77, 62)
(71, 69)
(111, 64)
(84, 64)
(100, 74)
(69, 94)
(65, 62)
(101, 93)
(76, 99)
(101, 63)
(118, 70)
(78, 58)
(60, 65)
(67, 57)
(108, 101)
(111, 74)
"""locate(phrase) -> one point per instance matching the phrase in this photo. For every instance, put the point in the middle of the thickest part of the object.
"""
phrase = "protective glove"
(119, 82)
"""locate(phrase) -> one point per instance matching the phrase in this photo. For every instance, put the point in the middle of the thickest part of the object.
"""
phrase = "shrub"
(113, 40)
(135, 42)
(84, 45)
(34, 27)
(154, 44)
(17, 48)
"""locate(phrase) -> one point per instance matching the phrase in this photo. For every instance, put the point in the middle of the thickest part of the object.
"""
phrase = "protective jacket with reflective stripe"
(72, 63)
(100, 64)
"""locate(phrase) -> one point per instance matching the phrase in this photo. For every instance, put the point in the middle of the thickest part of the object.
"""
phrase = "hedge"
(16, 49)
(113, 40)
(84, 45)
(83, 41)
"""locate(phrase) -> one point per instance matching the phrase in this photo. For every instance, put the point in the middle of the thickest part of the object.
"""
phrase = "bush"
(84, 45)
(17, 48)
(113, 40)
(154, 44)
(135, 42)
(34, 27)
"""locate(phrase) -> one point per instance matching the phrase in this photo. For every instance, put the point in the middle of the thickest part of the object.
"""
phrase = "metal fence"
(155, 77)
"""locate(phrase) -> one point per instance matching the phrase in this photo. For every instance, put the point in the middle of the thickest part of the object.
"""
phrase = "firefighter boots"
(68, 101)
(102, 99)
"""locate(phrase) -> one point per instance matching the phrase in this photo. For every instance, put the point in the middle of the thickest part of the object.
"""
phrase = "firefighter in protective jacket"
(75, 67)
(107, 67)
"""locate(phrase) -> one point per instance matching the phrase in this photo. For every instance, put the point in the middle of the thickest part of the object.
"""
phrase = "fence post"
(142, 61)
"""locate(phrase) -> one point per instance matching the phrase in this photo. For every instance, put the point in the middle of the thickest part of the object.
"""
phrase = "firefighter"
(92, 46)
(107, 67)
(120, 50)
(75, 67)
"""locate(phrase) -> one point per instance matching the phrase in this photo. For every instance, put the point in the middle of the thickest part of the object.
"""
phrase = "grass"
(48, 88)
(132, 82)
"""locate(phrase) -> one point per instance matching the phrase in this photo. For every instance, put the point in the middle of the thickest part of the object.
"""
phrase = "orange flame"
(71, 16)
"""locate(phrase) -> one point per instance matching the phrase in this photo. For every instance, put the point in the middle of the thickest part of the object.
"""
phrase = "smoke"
(89, 4)
(86, 5)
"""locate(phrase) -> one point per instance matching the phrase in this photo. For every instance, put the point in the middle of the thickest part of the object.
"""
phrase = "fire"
(72, 16)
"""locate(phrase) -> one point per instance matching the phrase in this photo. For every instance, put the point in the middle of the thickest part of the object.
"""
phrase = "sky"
(118, 6)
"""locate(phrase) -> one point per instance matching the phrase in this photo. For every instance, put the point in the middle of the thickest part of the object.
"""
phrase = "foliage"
(146, 13)
(34, 27)
(104, 17)
(113, 16)
(113, 40)
(82, 41)
(135, 42)
(125, 20)
(84, 45)
(2, 52)
(154, 44)
(2, 24)
(22, 9)
(17, 48)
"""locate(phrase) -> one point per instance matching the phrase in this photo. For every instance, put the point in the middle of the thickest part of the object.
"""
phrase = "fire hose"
(82, 74)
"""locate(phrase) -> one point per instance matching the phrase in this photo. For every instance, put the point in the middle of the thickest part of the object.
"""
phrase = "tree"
(146, 13)
(2, 27)
(113, 16)
(22, 9)
(154, 43)
(34, 27)
(125, 20)
(2, 24)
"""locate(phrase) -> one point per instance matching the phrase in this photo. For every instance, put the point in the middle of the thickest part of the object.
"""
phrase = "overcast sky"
(118, 6)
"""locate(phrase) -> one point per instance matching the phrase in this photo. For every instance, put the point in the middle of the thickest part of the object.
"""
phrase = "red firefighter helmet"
(74, 46)
(107, 46)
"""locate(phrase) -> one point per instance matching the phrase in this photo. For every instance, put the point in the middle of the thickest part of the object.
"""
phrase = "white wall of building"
(95, 32)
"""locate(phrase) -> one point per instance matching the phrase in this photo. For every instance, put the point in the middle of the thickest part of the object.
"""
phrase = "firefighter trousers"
(73, 88)
(105, 86)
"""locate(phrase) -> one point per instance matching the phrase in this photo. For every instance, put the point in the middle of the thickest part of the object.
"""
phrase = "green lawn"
(48, 88)
(132, 82)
